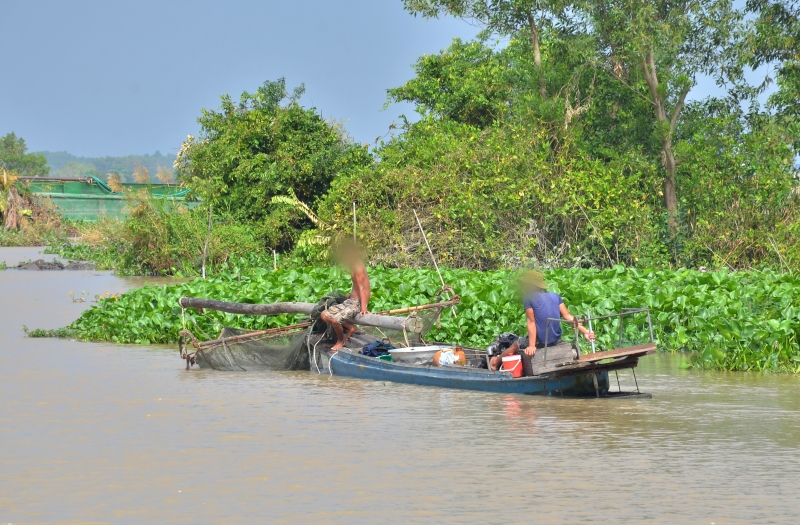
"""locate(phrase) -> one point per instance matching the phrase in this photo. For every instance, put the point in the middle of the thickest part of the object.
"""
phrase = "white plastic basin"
(417, 355)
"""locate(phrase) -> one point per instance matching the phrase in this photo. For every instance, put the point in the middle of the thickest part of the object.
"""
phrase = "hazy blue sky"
(101, 77)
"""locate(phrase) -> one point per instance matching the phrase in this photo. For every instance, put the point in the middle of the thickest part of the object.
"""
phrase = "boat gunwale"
(483, 374)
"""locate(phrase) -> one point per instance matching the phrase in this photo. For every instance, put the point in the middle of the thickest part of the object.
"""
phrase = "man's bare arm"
(530, 320)
(569, 317)
(361, 288)
(365, 291)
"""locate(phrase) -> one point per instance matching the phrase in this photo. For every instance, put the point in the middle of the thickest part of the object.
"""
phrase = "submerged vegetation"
(726, 320)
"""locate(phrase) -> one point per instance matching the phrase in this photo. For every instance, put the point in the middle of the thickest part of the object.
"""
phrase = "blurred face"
(528, 288)
(348, 254)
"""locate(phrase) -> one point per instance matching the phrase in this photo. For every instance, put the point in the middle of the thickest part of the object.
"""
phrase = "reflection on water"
(102, 433)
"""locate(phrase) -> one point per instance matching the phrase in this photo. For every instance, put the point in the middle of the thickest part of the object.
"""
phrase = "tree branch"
(678, 107)
(649, 70)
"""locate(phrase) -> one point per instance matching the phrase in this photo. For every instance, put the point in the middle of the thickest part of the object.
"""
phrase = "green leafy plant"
(723, 320)
(58, 332)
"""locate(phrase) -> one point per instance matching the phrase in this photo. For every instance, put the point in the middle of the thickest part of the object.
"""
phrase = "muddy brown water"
(98, 433)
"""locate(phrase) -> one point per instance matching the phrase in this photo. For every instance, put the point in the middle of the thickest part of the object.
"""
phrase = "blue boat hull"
(362, 367)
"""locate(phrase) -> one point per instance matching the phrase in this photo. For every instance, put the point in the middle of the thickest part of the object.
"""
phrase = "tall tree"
(505, 17)
(774, 39)
(467, 82)
(658, 49)
(15, 158)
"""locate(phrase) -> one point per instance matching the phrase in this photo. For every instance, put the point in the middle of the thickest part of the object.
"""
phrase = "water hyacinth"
(726, 320)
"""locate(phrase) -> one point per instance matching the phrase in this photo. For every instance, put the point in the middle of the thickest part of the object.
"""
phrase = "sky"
(100, 77)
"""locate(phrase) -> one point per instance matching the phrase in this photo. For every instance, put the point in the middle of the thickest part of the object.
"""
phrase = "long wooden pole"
(208, 237)
(386, 322)
(435, 264)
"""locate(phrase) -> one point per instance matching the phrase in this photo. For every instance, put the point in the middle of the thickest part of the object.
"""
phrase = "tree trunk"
(381, 321)
(669, 161)
(537, 52)
(670, 192)
(14, 204)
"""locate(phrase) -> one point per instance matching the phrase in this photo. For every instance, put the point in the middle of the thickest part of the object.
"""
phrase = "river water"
(101, 433)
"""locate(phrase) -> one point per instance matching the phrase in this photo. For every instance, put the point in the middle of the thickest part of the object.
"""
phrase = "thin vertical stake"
(589, 316)
(275, 260)
(208, 237)
(354, 223)
(618, 385)
(435, 265)
(635, 381)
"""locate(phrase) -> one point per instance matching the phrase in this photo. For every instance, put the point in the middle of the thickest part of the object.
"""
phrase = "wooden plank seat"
(559, 360)
(638, 351)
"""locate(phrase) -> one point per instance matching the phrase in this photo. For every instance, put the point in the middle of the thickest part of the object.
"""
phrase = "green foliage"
(499, 197)
(739, 196)
(58, 332)
(259, 148)
(3, 265)
(33, 236)
(570, 178)
(727, 320)
(26, 219)
(464, 83)
(105, 257)
(15, 158)
(774, 38)
(160, 238)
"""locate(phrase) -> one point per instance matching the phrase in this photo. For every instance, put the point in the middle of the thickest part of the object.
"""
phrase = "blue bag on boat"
(376, 349)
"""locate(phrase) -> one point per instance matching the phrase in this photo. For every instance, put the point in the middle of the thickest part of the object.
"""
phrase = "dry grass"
(100, 232)
(164, 174)
(141, 174)
(115, 182)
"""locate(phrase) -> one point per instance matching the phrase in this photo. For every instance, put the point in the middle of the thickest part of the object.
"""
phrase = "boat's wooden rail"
(560, 360)
(631, 351)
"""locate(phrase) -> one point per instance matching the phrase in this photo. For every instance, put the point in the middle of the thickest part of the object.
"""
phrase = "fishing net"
(304, 346)
(237, 349)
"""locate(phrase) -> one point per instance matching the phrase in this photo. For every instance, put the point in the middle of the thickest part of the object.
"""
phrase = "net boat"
(563, 369)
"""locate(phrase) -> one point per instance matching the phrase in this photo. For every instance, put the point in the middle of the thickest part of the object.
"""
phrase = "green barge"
(90, 199)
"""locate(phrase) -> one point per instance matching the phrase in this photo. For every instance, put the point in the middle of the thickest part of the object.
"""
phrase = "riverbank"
(99, 432)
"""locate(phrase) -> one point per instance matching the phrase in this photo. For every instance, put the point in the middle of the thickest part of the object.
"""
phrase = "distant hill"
(63, 164)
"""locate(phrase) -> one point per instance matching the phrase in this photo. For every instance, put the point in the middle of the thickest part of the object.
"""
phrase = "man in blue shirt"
(540, 305)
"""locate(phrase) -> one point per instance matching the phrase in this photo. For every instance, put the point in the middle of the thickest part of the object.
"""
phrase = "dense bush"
(498, 197)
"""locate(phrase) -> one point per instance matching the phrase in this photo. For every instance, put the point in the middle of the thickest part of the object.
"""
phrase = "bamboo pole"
(435, 264)
(381, 321)
(208, 238)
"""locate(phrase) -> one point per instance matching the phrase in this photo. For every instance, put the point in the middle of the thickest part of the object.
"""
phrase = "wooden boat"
(560, 370)
(586, 376)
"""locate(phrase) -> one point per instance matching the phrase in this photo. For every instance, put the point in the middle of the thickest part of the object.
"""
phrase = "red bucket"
(513, 364)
